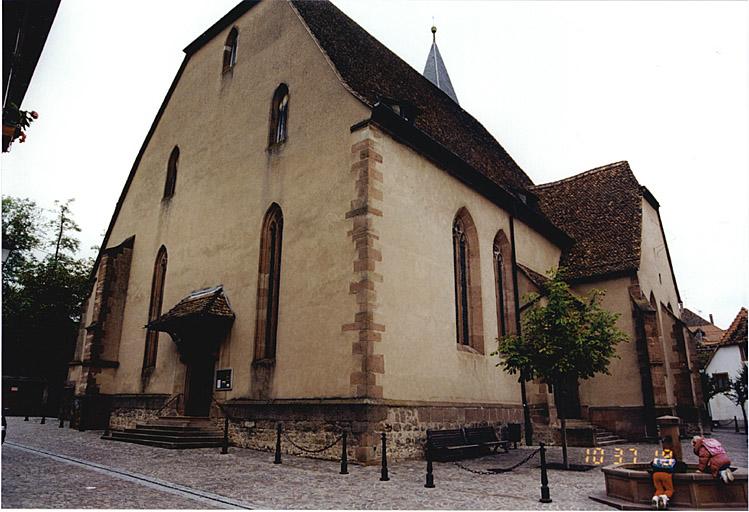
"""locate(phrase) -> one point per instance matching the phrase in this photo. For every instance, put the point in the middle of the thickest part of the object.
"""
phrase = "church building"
(314, 233)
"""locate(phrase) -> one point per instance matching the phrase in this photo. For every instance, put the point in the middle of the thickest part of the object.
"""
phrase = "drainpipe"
(516, 296)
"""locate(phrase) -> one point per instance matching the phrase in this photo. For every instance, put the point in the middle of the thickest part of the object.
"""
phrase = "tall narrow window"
(230, 50)
(279, 115)
(269, 277)
(500, 277)
(503, 283)
(468, 318)
(154, 307)
(171, 173)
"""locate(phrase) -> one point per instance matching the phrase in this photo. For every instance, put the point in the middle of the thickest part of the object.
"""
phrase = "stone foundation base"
(408, 423)
(316, 424)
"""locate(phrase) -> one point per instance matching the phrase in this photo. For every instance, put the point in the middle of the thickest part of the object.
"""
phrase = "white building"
(725, 364)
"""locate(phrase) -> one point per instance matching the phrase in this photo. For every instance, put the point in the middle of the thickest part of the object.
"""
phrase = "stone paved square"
(249, 478)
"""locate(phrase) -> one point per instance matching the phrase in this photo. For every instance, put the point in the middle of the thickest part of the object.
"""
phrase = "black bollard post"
(545, 498)
(430, 474)
(43, 421)
(225, 446)
(384, 472)
(344, 456)
(277, 460)
(26, 418)
(62, 422)
(735, 424)
(107, 431)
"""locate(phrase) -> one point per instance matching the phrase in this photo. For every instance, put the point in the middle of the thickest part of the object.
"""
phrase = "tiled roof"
(537, 279)
(692, 319)
(601, 210)
(205, 303)
(737, 332)
(373, 72)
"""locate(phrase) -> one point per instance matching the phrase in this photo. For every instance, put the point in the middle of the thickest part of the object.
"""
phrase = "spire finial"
(434, 31)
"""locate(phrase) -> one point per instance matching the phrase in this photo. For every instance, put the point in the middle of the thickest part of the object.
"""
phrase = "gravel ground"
(250, 477)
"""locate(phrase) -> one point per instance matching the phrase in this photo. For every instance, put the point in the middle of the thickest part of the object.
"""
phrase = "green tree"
(737, 392)
(44, 284)
(22, 233)
(565, 338)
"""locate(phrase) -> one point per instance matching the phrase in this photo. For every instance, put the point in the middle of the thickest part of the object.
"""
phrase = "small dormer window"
(230, 50)
(404, 109)
(526, 197)
(279, 116)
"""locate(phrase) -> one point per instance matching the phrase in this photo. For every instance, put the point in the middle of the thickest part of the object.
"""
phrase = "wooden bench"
(486, 436)
(447, 444)
(458, 443)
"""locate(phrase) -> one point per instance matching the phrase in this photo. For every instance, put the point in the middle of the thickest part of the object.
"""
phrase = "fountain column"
(668, 426)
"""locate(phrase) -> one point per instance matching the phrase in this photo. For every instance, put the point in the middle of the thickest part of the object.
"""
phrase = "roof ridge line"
(734, 325)
(580, 175)
(327, 58)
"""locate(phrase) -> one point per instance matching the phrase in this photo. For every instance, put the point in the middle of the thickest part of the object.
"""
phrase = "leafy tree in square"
(44, 282)
(565, 338)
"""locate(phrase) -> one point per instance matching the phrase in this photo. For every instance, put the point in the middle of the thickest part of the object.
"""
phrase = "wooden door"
(199, 387)
(567, 398)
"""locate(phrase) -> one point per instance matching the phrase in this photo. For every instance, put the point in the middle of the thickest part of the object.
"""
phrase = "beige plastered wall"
(226, 181)
(623, 386)
(655, 277)
(417, 295)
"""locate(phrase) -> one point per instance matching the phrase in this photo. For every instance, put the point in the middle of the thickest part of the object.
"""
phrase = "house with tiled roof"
(724, 365)
(316, 234)
(705, 331)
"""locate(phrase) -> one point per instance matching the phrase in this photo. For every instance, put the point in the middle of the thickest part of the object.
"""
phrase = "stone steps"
(605, 438)
(174, 432)
(170, 445)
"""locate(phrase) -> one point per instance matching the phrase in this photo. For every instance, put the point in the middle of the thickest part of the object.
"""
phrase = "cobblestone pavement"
(35, 481)
(250, 477)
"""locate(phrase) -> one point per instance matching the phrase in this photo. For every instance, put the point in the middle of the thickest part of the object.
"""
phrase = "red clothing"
(664, 484)
(712, 456)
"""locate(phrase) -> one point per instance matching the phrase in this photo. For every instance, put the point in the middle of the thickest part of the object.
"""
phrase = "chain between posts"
(494, 471)
(318, 450)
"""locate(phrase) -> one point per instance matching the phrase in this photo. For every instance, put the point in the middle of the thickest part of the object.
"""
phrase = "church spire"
(435, 70)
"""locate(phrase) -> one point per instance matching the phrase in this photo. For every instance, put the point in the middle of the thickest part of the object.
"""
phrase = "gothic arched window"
(230, 50)
(269, 277)
(171, 173)
(154, 307)
(279, 115)
(502, 281)
(468, 317)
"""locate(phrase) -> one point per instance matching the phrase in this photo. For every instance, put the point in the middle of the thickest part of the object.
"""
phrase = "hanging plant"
(15, 122)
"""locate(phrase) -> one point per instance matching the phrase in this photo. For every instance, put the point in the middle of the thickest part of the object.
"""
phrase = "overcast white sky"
(563, 86)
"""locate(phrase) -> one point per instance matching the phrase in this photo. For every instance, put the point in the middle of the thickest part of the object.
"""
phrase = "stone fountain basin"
(632, 484)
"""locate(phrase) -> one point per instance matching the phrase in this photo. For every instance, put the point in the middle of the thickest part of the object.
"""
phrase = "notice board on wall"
(223, 379)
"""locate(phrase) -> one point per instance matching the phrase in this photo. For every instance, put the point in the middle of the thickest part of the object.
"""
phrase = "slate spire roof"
(435, 70)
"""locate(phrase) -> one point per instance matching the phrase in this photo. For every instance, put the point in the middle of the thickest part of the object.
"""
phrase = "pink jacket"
(712, 455)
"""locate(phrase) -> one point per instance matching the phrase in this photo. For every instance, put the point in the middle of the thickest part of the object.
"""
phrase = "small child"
(713, 457)
(663, 480)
